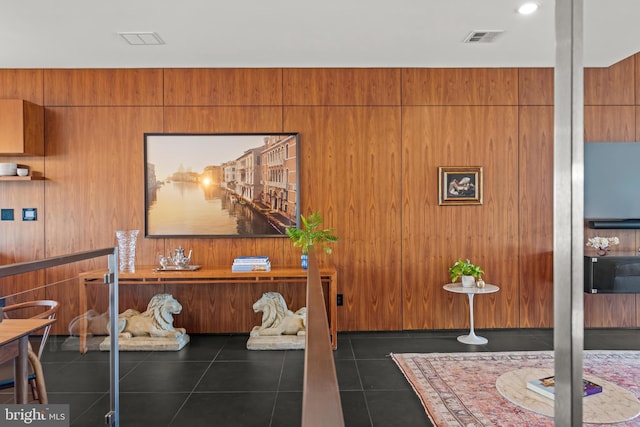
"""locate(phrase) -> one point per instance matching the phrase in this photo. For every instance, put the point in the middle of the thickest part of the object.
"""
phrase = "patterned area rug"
(458, 389)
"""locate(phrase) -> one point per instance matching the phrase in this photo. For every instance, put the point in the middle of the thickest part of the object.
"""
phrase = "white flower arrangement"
(602, 243)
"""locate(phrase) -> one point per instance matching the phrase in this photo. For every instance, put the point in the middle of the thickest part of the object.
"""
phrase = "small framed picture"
(460, 185)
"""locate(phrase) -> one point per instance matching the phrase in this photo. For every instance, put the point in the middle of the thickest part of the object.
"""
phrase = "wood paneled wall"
(611, 109)
(22, 241)
(371, 143)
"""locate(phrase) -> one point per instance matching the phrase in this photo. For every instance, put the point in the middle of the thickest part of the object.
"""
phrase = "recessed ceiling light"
(528, 8)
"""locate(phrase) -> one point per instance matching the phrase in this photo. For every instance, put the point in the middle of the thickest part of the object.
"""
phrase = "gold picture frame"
(459, 185)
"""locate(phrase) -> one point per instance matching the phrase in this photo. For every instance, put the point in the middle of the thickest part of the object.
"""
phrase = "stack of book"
(546, 387)
(251, 263)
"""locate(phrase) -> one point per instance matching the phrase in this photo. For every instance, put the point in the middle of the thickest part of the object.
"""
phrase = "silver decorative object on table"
(179, 261)
(164, 261)
(178, 258)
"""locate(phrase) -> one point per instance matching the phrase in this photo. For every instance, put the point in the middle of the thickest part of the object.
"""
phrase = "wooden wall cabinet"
(21, 128)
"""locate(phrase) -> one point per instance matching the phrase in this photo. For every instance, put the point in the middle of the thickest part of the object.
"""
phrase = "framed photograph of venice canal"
(221, 185)
(460, 185)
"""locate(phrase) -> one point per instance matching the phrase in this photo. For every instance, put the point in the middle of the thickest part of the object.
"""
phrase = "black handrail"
(321, 405)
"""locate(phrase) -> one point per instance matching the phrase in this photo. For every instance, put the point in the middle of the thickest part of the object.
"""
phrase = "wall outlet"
(339, 299)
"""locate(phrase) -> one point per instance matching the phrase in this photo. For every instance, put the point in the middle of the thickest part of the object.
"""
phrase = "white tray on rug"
(613, 405)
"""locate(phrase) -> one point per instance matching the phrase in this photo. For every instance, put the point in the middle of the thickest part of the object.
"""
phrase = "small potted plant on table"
(467, 271)
(311, 235)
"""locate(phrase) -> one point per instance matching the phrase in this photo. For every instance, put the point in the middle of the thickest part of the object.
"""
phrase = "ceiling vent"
(487, 36)
(147, 38)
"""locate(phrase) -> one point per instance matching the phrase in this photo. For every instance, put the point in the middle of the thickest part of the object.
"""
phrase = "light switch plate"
(29, 214)
(6, 214)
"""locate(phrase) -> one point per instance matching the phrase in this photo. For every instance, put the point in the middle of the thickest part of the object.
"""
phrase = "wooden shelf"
(21, 178)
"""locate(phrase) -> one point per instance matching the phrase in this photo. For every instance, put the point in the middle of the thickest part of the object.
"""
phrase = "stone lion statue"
(156, 322)
(277, 319)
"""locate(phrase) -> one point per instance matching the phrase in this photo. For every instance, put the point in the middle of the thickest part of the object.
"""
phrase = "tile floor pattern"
(215, 381)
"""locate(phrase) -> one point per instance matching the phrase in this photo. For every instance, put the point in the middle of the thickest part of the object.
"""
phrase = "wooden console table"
(146, 275)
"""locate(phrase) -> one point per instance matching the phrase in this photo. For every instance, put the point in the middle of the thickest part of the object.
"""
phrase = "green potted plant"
(311, 235)
(466, 270)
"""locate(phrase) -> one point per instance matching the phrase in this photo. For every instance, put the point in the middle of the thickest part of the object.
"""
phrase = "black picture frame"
(459, 185)
(221, 184)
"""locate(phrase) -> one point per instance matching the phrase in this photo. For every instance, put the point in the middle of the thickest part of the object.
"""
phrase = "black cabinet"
(612, 274)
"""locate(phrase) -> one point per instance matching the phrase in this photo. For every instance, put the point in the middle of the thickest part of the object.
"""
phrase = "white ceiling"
(300, 33)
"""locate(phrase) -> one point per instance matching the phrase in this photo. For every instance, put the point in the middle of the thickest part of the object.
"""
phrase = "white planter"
(468, 282)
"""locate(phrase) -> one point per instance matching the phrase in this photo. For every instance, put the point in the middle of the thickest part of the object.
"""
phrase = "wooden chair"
(41, 309)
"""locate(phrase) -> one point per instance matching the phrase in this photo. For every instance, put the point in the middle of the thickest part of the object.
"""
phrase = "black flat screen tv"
(612, 184)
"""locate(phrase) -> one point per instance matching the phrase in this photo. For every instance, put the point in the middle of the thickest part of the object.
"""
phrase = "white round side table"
(457, 288)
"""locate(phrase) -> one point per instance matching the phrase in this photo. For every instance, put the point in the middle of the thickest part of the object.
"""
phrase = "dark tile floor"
(216, 381)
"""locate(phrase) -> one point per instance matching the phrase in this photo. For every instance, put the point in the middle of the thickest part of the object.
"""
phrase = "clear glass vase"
(127, 250)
